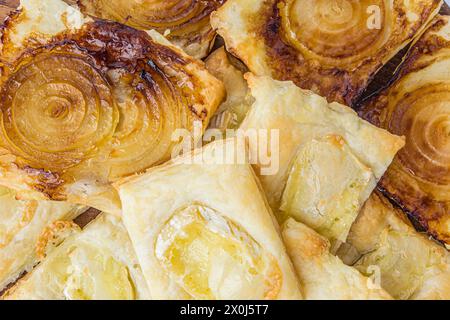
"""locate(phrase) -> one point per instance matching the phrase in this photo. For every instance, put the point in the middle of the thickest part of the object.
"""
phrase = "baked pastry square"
(408, 264)
(203, 230)
(21, 224)
(417, 105)
(96, 263)
(322, 275)
(331, 47)
(85, 103)
(185, 22)
(325, 159)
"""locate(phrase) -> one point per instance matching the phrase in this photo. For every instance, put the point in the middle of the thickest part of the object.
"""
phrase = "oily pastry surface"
(97, 263)
(231, 72)
(409, 265)
(329, 158)
(202, 230)
(85, 103)
(417, 105)
(21, 223)
(324, 276)
(186, 22)
(331, 47)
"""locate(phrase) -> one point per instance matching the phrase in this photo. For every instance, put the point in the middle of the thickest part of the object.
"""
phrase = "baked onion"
(417, 106)
(331, 47)
(185, 21)
(87, 106)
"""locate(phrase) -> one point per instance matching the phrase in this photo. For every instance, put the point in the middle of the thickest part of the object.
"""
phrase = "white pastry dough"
(204, 231)
(329, 159)
(21, 223)
(410, 266)
(97, 263)
(322, 275)
(331, 47)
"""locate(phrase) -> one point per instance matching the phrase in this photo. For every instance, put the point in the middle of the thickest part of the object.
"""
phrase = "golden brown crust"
(324, 276)
(87, 102)
(53, 235)
(186, 22)
(417, 105)
(314, 44)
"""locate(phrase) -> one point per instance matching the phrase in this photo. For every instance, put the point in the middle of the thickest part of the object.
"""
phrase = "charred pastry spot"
(202, 115)
(153, 65)
(48, 182)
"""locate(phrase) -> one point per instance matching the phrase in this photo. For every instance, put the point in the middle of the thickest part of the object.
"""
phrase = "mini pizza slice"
(409, 265)
(322, 275)
(331, 47)
(96, 263)
(87, 102)
(325, 160)
(202, 229)
(21, 224)
(417, 106)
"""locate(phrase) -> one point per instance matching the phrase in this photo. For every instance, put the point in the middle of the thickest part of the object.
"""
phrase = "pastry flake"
(331, 47)
(417, 105)
(319, 143)
(203, 230)
(97, 263)
(324, 276)
(85, 103)
(185, 22)
(408, 264)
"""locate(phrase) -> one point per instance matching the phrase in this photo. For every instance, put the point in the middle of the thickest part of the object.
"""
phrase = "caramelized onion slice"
(417, 106)
(333, 47)
(83, 108)
(185, 21)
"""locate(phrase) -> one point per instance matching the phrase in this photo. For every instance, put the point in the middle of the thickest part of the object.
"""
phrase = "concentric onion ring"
(418, 107)
(57, 108)
(187, 20)
(337, 32)
(88, 107)
(333, 47)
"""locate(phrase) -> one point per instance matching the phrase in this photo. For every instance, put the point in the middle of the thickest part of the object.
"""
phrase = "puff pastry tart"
(97, 263)
(21, 223)
(331, 47)
(417, 106)
(231, 72)
(324, 276)
(409, 265)
(85, 103)
(318, 143)
(186, 22)
(202, 230)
